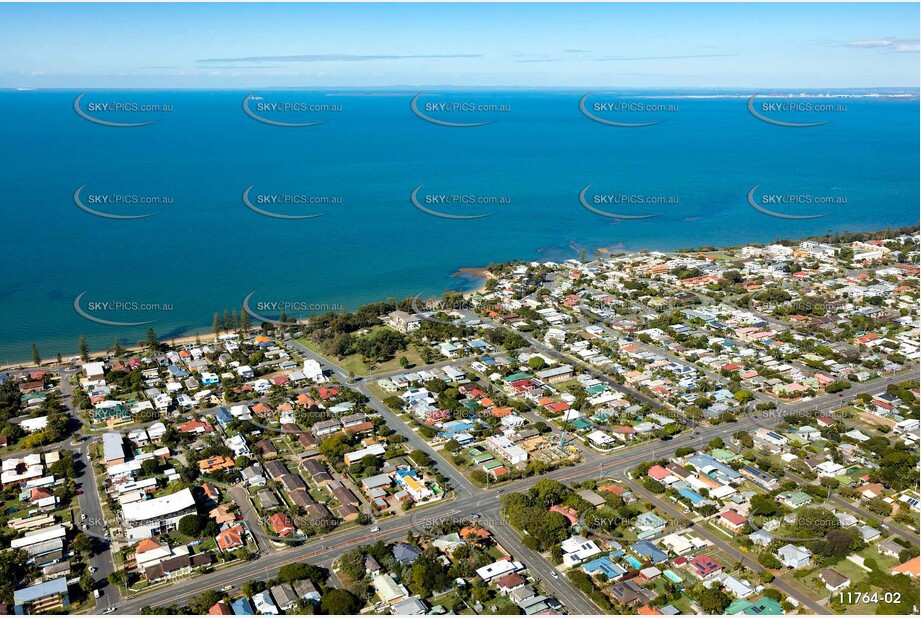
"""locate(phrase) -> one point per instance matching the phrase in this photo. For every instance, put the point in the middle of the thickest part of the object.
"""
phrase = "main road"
(469, 500)
(326, 549)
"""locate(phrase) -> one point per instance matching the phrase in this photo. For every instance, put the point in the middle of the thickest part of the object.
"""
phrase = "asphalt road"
(469, 500)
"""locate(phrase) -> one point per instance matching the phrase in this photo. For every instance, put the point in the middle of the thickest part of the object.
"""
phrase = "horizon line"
(415, 88)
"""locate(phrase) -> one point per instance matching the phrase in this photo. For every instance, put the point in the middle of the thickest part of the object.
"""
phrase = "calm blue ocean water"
(205, 251)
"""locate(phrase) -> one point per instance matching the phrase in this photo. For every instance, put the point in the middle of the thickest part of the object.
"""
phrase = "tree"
(301, 570)
(338, 602)
(536, 363)
(13, 569)
(151, 341)
(251, 587)
(352, 563)
(81, 544)
(200, 604)
(87, 581)
(118, 578)
(743, 396)
(117, 348)
(547, 492)
(421, 458)
(84, 349)
(216, 325)
(713, 600)
(36, 358)
(769, 560)
(150, 466)
(880, 507)
(192, 525)
(63, 467)
(244, 322)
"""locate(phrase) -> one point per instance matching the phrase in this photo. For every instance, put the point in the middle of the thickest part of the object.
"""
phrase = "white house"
(794, 557)
(577, 549)
(313, 371)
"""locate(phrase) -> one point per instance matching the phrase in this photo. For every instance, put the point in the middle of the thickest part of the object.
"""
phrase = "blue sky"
(520, 45)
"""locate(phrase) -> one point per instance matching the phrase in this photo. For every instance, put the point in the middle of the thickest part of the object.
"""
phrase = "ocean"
(205, 250)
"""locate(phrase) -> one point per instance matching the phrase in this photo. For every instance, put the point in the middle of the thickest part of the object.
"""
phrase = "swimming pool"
(672, 576)
(634, 562)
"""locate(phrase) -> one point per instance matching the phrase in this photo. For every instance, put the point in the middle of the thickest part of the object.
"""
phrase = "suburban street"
(477, 501)
(468, 498)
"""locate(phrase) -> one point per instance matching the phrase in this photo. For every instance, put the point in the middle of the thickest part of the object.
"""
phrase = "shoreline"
(480, 275)
(474, 274)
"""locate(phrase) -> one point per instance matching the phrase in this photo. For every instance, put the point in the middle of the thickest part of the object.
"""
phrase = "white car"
(554, 575)
(375, 529)
(109, 610)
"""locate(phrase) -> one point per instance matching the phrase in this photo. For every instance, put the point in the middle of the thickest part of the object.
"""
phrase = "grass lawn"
(684, 606)
(453, 603)
(355, 364)
(380, 393)
(849, 570)
(352, 363)
(804, 586)
(494, 551)
(885, 562)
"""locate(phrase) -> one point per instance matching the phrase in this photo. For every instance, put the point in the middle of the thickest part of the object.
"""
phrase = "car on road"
(554, 575)
(109, 610)
(82, 516)
(376, 529)
(83, 526)
(93, 569)
(79, 492)
(227, 587)
(475, 516)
